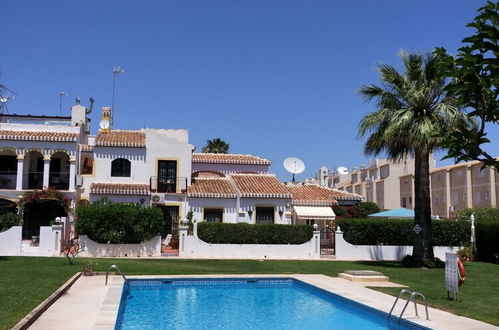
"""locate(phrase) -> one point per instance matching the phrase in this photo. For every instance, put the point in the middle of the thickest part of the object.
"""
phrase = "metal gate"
(327, 241)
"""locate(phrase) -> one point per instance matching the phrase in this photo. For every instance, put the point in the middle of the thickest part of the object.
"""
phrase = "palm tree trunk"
(423, 242)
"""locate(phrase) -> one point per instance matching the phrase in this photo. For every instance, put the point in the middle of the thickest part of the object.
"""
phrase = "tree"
(216, 146)
(412, 115)
(475, 79)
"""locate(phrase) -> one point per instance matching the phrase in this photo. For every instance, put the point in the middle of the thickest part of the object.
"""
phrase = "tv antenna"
(61, 94)
(294, 165)
(116, 71)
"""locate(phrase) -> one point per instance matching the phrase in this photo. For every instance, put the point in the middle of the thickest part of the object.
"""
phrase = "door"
(167, 176)
(170, 220)
(327, 241)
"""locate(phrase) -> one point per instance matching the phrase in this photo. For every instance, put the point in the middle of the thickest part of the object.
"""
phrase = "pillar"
(469, 190)
(20, 174)
(46, 172)
(492, 187)
(447, 193)
(72, 172)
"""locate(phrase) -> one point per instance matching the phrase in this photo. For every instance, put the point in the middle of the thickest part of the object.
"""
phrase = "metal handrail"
(412, 296)
(118, 269)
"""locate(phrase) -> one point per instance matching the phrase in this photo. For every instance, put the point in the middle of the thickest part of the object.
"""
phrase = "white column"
(20, 174)
(46, 172)
(72, 171)
(492, 187)
(469, 190)
(447, 193)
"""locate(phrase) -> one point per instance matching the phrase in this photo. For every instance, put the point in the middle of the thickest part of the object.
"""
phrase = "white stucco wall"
(347, 251)
(228, 204)
(136, 199)
(283, 205)
(151, 248)
(10, 241)
(193, 247)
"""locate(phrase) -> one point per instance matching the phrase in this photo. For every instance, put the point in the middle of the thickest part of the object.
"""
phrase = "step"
(363, 276)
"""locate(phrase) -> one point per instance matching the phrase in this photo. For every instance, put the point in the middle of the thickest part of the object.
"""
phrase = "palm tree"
(413, 115)
(216, 146)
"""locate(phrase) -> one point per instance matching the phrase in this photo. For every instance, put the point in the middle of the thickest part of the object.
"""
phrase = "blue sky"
(272, 78)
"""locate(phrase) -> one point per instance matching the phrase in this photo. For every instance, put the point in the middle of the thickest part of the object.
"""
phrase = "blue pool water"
(241, 304)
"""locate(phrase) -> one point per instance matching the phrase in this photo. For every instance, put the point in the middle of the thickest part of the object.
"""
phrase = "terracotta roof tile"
(208, 174)
(212, 188)
(123, 139)
(317, 195)
(229, 159)
(37, 136)
(443, 168)
(260, 186)
(119, 188)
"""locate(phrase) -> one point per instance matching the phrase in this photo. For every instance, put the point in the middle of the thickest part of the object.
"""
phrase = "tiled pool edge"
(107, 315)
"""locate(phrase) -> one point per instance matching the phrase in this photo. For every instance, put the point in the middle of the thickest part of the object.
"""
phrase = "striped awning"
(314, 212)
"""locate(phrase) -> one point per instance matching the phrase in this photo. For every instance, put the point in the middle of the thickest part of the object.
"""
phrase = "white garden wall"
(50, 242)
(193, 247)
(347, 251)
(10, 241)
(151, 248)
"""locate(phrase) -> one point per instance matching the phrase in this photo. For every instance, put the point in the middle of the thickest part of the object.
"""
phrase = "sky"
(272, 78)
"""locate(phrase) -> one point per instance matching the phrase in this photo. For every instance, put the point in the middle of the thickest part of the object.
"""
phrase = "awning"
(315, 212)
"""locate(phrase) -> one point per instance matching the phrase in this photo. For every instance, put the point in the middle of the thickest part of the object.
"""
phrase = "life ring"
(461, 273)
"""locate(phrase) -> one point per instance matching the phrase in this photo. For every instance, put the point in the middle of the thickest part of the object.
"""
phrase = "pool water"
(242, 304)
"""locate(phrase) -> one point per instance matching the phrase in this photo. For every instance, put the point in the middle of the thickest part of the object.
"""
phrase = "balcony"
(8, 180)
(168, 185)
(59, 181)
(33, 180)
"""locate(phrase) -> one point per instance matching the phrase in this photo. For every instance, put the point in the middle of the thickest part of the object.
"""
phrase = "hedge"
(399, 232)
(117, 223)
(8, 220)
(487, 240)
(481, 214)
(243, 233)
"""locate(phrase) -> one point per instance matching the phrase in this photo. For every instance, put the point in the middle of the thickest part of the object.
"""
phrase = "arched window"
(120, 167)
(88, 166)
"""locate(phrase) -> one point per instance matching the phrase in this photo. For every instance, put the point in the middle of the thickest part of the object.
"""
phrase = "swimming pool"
(242, 303)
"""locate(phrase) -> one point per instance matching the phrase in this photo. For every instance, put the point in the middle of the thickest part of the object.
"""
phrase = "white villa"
(148, 167)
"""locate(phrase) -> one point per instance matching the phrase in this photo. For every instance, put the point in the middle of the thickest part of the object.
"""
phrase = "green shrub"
(367, 208)
(481, 214)
(487, 240)
(399, 232)
(409, 262)
(117, 223)
(339, 211)
(8, 220)
(243, 233)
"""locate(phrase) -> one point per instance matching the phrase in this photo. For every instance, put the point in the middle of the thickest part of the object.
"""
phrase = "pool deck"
(89, 304)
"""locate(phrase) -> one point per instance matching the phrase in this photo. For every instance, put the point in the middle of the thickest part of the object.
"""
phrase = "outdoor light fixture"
(250, 213)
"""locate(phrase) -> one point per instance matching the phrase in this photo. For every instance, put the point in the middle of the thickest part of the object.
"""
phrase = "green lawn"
(25, 282)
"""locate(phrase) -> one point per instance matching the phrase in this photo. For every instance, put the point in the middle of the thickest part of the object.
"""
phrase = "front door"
(170, 220)
(167, 176)
(327, 241)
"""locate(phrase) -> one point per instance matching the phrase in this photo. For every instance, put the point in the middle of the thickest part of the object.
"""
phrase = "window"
(437, 201)
(120, 167)
(213, 215)
(410, 199)
(439, 177)
(88, 166)
(464, 196)
(264, 215)
(310, 221)
(404, 204)
(384, 171)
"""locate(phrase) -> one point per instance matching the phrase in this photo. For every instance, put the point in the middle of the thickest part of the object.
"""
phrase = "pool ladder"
(412, 296)
(118, 269)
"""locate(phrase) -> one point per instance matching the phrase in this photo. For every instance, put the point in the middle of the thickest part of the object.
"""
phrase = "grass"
(25, 282)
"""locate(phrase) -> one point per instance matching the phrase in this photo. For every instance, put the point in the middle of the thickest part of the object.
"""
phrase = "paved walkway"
(89, 304)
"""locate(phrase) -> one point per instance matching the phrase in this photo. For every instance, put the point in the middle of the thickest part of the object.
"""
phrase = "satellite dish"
(104, 124)
(294, 165)
(343, 170)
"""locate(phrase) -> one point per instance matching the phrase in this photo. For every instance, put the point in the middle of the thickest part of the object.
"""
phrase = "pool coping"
(439, 319)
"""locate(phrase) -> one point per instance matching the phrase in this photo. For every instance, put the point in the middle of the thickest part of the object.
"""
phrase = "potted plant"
(465, 254)
(88, 268)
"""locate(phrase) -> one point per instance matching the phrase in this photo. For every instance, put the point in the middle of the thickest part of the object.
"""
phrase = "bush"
(8, 220)
(399, 232)
(409, 262)
(116, 223)
(481, 214)
(243, 233)
(339, 211)
(367, 208)
(487, 240)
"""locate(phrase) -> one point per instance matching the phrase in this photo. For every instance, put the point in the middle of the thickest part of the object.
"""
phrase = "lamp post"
(61, 94)
(116, 71)
(472, 238)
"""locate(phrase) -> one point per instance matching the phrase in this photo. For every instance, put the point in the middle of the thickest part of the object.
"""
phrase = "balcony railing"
(8, 180)
(168, 185)
(59, 181)
(33, 180)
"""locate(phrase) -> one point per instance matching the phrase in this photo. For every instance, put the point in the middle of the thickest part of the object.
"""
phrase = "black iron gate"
(327, 241)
